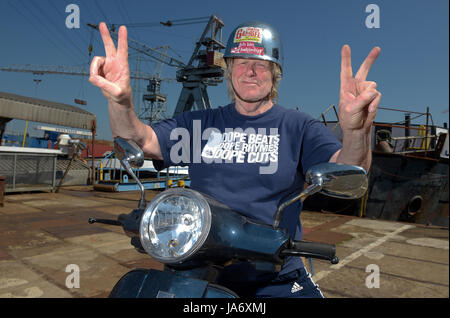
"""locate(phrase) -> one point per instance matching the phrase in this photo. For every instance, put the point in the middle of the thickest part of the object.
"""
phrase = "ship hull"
(401, 188)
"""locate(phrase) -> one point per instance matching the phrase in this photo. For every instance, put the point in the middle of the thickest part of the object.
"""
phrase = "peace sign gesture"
(359, 98)
(112, 73)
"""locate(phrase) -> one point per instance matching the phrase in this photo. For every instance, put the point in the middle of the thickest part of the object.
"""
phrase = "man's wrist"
(356, 148)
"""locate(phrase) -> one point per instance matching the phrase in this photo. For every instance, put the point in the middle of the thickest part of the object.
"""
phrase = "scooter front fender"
(143, 283)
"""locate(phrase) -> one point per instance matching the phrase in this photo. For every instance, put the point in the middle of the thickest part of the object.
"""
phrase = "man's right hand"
(111, 73)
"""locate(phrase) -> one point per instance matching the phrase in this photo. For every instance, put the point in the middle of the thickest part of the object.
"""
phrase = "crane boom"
(68, 70)
(151, 52)
(168, 23)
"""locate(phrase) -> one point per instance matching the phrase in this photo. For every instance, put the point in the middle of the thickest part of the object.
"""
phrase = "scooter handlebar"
(311, 249)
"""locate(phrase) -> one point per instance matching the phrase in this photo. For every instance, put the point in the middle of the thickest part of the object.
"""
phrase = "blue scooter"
(195, 236)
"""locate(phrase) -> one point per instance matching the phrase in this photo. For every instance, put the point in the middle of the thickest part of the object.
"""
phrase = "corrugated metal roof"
(44, 111)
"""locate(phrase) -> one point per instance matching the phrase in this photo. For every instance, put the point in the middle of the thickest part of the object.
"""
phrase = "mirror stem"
(315, 187)
(127, 167)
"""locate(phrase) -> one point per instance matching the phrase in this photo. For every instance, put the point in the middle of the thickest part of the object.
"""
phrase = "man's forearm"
(356, 150)
(126, 124)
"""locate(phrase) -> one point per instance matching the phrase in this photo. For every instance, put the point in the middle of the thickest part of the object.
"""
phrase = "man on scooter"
(253, 153)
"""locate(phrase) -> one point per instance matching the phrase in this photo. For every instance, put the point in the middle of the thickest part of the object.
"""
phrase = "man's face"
(252, 79)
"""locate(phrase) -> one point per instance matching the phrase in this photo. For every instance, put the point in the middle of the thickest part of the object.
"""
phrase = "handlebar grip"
(313, 250)
(324, 249)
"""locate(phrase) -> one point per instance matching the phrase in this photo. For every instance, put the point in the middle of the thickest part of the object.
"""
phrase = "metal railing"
(409, 144)
(418, 139)
(28, 171)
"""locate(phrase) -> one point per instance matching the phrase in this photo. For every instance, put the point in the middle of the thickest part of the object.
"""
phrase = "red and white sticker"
(248, 48)
(246, 34)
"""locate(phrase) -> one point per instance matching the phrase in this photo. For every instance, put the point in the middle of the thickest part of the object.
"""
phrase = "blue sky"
(411, 72)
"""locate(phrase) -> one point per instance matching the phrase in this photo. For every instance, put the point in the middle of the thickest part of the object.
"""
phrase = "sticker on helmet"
(248, 34)
(248, 48)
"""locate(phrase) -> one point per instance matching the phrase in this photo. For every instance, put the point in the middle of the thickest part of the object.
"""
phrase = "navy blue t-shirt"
(252, 164)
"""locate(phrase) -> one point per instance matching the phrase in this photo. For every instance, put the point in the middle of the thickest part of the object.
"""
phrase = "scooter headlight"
(175, 225)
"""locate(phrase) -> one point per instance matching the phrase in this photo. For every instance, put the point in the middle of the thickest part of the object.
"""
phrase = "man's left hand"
(359, 99)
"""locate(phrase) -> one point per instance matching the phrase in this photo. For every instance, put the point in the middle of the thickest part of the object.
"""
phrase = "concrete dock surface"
(45, 237)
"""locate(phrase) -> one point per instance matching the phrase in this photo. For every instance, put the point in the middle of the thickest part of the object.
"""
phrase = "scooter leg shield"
(130, 284)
